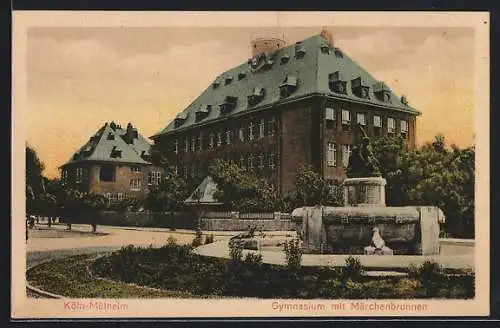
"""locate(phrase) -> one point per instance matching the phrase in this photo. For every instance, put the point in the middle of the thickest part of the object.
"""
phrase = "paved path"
(456, 258)
(454, 255)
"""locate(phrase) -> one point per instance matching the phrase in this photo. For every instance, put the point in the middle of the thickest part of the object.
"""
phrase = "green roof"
(106, 142)
(311, 64)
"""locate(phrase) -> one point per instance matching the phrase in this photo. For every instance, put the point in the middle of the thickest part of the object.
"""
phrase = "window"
(261, 128)
(346, 153)
(377, 125)
(271, 127)
(193, 170)
(260, 162)
(241, 134)
(154, 178)
(193, 144)
(272, 161)
(200, 142)
(250, 162)
(229, 135)
(119, 196)
(250, 131)
(329, 114)
(107, 173)
(361, 118)
(135, 184)
(176, 146)
(64, 176)
(176, 170)
(108, 195)
(346, 119)
(186, 145)
(111, 136)
(135, 169)
(219, 139)
(404, 126)
(242, 161)
(79, 175)
(331, 154)
(211, 141)
(185, 171)
(391, 125)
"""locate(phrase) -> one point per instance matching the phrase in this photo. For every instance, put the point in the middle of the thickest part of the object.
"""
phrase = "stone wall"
(241, 225)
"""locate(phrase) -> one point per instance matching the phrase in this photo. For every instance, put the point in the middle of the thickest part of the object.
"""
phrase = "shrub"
(171, 241)
(431, 277)
(353, 269)
(209, 239)
(250, 244)
(253, 260)
(293, 254)
(198, 239)
(407, 288)
(235, 250)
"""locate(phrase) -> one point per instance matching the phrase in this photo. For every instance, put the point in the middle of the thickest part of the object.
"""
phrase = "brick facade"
(294, 133)
(121, 186)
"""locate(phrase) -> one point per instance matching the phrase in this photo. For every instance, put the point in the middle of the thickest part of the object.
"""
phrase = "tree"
(81, 207)
(34, 181)
(432, 174)
(168, 196)
(312, 189)
(242, 190)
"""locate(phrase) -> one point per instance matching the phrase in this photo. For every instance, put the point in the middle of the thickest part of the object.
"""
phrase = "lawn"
(175, 271)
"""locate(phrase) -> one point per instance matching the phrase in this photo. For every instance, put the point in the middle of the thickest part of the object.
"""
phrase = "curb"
(38, 290)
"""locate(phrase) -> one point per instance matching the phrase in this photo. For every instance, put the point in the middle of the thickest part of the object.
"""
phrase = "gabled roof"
(109, 139)
(204, 193)
(310, 62)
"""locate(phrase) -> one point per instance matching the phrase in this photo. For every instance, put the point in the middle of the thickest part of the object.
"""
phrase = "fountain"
(365, 225)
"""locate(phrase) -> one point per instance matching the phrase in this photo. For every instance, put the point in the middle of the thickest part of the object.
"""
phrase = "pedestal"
(364, 191)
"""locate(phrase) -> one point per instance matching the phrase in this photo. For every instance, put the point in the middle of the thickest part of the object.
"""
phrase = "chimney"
(130, 133)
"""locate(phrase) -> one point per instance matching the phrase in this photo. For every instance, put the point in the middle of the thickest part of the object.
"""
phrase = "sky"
(78, 78)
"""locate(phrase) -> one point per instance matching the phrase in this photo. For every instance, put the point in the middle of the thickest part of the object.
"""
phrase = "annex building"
(286, 105)
(115, 162)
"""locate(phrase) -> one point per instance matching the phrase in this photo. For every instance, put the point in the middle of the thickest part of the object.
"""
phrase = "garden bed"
(69, 277)
(176, 271)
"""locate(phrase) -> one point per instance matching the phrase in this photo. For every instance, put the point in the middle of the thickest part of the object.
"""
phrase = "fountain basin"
(409, 230)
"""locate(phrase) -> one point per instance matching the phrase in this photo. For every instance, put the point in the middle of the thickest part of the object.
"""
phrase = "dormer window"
(111, 136)
(404, 101)
(268, 64)
(180, 119)
(116, 152)
(256, 96)
(241, 75)
(337, 82)
(300, 50)
(382, 92)
(288, 86)
(284, 59)
(216, 84)
(203, 112)
(360, 88)
(228, 80)
(325, 48)
(338, 53)
(228, 105)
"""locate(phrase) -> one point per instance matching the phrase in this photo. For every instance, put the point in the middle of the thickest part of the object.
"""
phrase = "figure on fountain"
(362, 162)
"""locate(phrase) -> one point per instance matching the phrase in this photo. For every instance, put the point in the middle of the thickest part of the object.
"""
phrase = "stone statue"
(377, 245)
(362, 162)
(377, 240)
